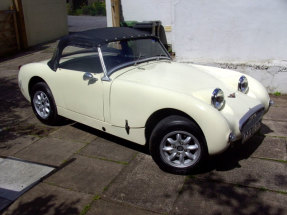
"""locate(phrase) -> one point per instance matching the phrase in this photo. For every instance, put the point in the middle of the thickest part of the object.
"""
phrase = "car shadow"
(225, 161)
(265, 129)
(112, 138)
(230, 158)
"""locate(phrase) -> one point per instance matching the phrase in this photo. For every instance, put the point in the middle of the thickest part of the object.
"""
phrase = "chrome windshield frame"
(105, 77)
(132, 63)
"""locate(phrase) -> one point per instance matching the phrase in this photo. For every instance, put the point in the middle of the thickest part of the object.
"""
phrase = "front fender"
(137, 102)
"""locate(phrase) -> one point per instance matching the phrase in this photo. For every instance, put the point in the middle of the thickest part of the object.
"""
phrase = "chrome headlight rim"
(217, 99)
(243, 84)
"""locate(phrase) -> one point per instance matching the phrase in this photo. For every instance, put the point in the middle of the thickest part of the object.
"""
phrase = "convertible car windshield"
(106, 50)
(126, 52)
(116, 55)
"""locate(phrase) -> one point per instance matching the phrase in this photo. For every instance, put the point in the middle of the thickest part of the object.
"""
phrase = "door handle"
(87, 76)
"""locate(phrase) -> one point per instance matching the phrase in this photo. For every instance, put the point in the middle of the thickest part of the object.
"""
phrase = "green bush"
(86, 10)
(78, 12)
(69, 9)
(277, 93)
(96, 9)
(100, 8)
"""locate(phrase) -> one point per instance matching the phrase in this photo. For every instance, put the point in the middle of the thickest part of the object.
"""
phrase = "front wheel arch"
(159, 115)
(180, 138)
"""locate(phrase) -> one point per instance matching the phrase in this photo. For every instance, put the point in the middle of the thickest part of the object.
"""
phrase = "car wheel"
(177, 145)
(43, 104)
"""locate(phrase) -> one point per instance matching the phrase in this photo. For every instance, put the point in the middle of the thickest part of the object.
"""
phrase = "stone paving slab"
(70, 133)
(33, 120)
(272, 148)
(257, 146)
(251, 172)
(40, 130)
(274, 128)
(31, 56)
(83, 23)
(143, 184)
(14, 107)
(276, 113)
(86, 175)
(107, 207)
(17, 177)
(109, 150)
(12, 146)
(49, 200)
(206, 197)
(50, 151)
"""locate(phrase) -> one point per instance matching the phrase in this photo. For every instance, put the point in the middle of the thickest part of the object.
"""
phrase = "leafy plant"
(69, 9)
(277, 93)
(100, 8)
(95, 9)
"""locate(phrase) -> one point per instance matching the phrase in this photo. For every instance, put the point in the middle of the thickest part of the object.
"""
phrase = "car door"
(79, 81)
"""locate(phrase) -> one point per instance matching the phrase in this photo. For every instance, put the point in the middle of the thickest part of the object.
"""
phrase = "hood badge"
(232, 95)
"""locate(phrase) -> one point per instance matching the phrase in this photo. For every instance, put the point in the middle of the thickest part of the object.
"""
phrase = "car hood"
(200, 81)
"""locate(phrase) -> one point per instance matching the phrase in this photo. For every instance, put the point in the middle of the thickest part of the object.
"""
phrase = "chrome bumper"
(249, 124)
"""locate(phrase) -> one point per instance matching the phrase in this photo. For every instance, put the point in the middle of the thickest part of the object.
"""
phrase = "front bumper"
(250, 123)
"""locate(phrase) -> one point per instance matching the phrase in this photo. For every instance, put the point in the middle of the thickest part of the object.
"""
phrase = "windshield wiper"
(140, 56)
(161, 56)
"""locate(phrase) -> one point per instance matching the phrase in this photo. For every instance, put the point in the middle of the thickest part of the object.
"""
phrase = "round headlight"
(243, 84)
(217, 98)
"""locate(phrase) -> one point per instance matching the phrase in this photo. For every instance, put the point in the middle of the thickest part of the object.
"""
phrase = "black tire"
(51, 118)
(177, 134)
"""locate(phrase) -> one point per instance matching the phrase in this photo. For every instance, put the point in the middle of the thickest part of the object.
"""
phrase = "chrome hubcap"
(42, 104)
(180, 149)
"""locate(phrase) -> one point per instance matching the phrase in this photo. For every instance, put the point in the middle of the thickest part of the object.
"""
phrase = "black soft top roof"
(100, 36)
(96, 38)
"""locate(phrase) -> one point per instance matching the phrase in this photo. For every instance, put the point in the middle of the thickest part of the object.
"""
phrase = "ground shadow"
(47, 204)
(225, 161)
(229, 159)
(30, 50)
(16, 115)
(224, 198)
(265, 130)
(112, 138)
(10, 99)
(12, 107)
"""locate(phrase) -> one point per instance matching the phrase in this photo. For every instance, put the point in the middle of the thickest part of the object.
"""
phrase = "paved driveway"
(96, 173)
(82, 23)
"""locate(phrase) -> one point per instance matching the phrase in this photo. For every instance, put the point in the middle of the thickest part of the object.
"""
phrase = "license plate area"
(250, 132)
(251, 125)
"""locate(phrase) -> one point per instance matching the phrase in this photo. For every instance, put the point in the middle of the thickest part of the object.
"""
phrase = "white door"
(79, 82)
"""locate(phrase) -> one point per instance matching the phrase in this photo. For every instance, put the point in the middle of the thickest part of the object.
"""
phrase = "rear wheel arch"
(159, 115)
(43, 103)
(34, 80)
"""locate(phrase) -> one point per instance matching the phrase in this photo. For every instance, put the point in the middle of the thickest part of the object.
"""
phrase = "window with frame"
(80, 59)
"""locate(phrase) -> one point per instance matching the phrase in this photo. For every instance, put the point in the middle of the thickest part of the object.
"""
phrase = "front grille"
(252, 120)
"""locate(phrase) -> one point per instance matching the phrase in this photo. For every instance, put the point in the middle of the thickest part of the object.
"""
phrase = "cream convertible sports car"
(123, 81)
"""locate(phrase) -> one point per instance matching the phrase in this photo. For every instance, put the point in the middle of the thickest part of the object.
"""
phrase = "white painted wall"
(230, 30)
(222, 31)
